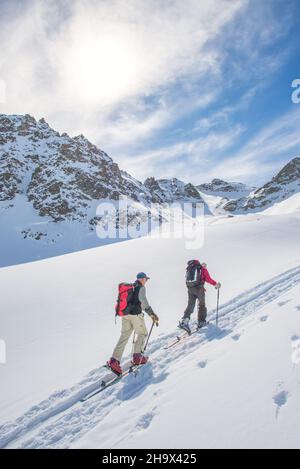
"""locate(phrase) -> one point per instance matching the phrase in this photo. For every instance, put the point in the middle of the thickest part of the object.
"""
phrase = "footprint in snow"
(236, 337)
(264, 318)
(145, 421)
(280, 399)
(295, 337)
(282, 303)
(202, 364)
(298, 307)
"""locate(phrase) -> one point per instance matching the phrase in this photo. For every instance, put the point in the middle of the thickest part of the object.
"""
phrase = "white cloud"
(262, 155)
(185, 160)
(74, 61)
(137, 121)
(123, 72)
(197, 160)
(2, 91)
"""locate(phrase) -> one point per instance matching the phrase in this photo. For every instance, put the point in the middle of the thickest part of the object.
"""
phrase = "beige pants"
(131, 323)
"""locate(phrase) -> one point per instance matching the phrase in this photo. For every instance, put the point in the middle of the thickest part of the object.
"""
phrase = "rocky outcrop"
(220, 186)
(172, 190)
(61, 176)
(283, 185)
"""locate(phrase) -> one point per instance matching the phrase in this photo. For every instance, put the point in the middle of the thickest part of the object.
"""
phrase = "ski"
(178, 339)
(183, 337)
(110, 381)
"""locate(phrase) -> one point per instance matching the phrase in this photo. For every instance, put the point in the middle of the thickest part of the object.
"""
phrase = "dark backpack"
(125, 301)
(193, 274)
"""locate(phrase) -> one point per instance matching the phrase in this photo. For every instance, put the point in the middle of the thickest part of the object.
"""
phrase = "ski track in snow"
(61, 419)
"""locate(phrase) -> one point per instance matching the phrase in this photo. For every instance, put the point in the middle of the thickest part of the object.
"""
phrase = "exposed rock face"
(58, 174)
(50, 188)
(172, 190)
(218, 185)
(222, 192)
(282, 186)
(51, 185)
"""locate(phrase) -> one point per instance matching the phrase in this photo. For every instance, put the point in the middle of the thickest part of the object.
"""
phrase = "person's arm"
(143, 299)
(145, 305)
(207, 278)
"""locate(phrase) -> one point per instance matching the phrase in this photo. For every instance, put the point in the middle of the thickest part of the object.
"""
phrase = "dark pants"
(196, 293)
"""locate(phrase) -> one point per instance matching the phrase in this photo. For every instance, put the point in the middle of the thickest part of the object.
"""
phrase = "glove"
(152, 315)
(218, 286)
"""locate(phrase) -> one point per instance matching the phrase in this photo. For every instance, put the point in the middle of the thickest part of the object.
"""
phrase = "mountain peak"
(59, 175)
(219, 186)
(172, 190)
(290, 172)
(282, 186)
(218, 182)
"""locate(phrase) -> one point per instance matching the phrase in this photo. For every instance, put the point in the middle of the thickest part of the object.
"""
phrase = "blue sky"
(192, 89)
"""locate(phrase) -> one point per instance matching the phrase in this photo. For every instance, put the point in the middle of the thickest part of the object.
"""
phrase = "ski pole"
(217, 316)
(149, 335)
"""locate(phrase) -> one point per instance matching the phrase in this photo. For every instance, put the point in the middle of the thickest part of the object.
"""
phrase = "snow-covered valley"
(233, 386)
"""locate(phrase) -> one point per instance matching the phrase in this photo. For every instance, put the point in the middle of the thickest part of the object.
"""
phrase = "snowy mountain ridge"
(218, 192)
(282, 186)
(170, 190)
(58, 174)
(223, 187)
(51, 185)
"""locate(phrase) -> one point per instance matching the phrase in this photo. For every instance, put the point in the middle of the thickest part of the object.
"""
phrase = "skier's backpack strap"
(193, 273)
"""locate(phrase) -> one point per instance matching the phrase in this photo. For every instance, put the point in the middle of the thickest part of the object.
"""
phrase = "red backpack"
(125, 297)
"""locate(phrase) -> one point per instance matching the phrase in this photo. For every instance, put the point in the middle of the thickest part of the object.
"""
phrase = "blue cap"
(141, 275)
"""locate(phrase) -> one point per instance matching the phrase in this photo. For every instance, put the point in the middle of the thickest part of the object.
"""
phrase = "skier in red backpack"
(196, 277)
(131, 306)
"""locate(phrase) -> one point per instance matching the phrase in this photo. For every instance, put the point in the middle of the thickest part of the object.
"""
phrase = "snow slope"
(236, 386)
(288, 206)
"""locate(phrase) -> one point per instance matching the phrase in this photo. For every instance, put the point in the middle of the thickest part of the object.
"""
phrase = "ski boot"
(184, 324)
(114, 365)
(201, 324)
(139, 359)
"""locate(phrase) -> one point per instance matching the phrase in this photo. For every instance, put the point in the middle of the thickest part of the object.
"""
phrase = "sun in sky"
(192, 89)
(101, 68)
